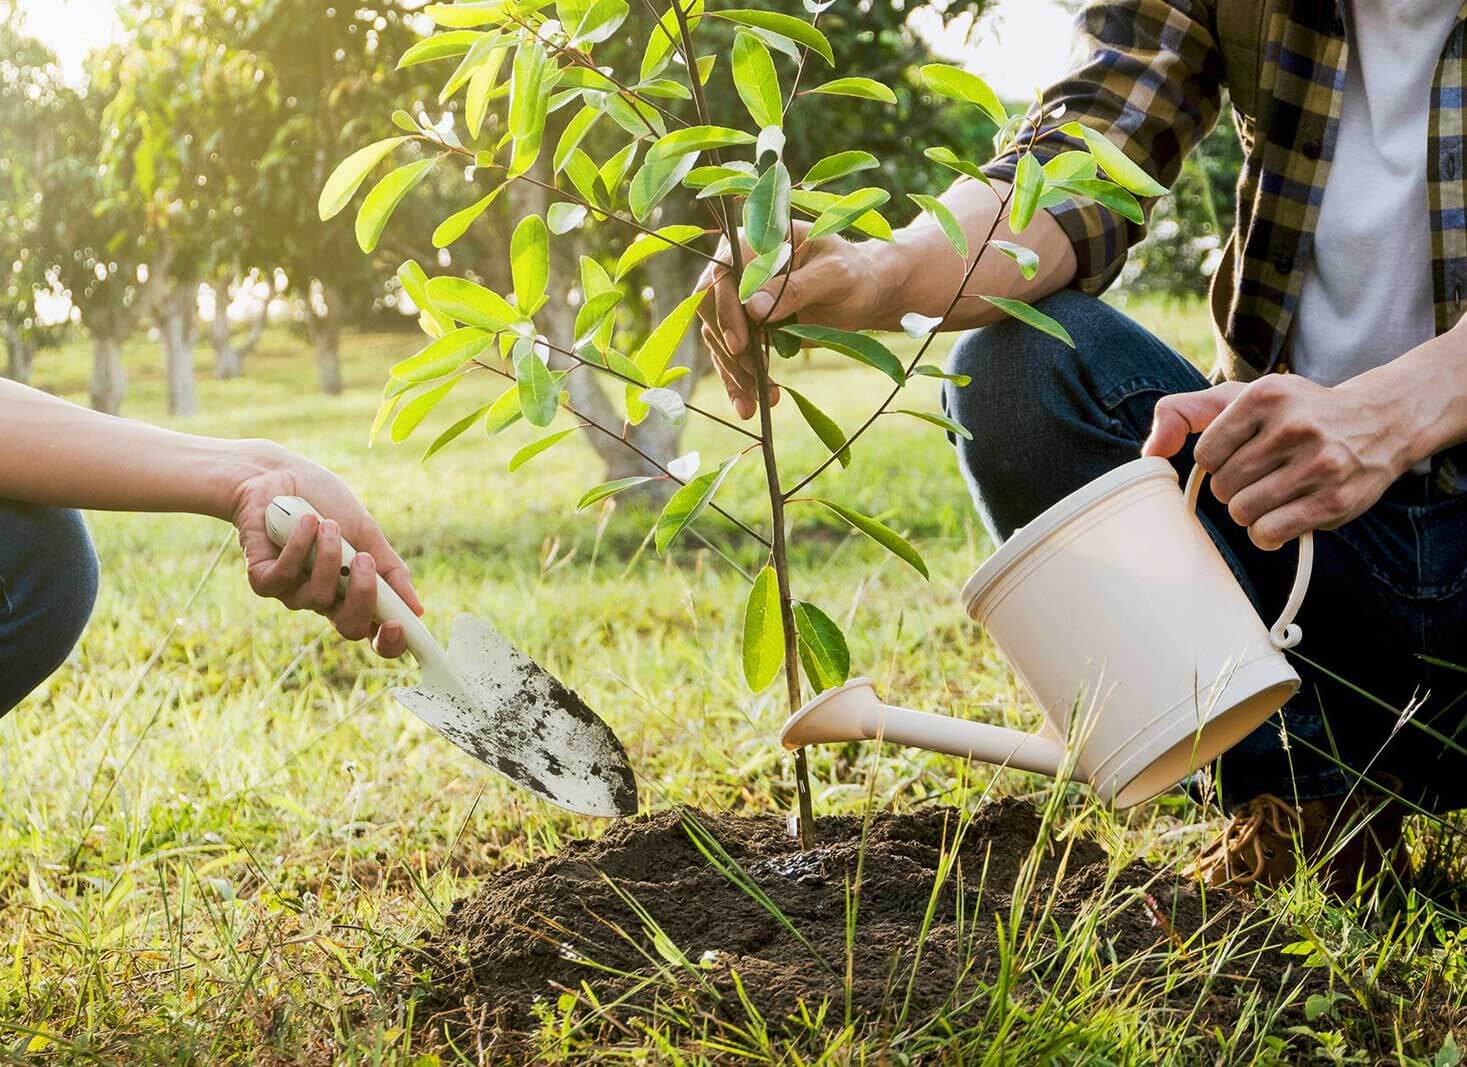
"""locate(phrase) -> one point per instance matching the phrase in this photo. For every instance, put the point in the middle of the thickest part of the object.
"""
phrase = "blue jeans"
(1388, 590)
(48, 584)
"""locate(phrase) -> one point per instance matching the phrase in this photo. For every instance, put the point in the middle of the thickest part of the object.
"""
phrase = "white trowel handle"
(281, 518)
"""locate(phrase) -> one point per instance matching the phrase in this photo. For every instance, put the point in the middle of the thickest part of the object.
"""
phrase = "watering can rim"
(1030, 535)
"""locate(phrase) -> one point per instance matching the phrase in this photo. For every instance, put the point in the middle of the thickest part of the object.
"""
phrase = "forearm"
(54, 452)
(921, 271)
(1421, 397)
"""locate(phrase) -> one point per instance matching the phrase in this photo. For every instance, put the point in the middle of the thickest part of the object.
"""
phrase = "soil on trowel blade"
(534, 932)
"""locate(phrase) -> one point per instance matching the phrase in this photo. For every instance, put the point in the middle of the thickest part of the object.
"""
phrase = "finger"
(390, 566)
(1284, 524)
(786, 295)
(1181, 414)
(353, 616)
(1267, 496)
(740, 390)
(281, 576)
(731, 319)
(1237, 424)
(320, 589)
(1248, 465)
(390, 641)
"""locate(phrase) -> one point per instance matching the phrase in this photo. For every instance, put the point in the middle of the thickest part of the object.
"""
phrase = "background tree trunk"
(109, 380)
(324, 327)
(178, 314)
(228, 361)
(21, 354)
(246, 348)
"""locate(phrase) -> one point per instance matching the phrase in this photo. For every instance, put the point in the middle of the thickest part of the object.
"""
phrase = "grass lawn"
(217, 835)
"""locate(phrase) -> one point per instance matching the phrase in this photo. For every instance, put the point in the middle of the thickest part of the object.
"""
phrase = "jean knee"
(46, 598)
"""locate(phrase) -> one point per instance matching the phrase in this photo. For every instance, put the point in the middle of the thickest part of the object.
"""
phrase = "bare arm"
(872, 284)
(60, 454)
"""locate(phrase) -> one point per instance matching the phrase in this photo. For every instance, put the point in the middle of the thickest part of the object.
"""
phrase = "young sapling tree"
(533, 59)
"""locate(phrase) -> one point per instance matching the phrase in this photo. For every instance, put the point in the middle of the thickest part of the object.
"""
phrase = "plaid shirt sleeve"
(1148, 74)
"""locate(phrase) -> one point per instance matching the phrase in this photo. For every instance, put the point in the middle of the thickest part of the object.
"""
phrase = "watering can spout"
(855, 713)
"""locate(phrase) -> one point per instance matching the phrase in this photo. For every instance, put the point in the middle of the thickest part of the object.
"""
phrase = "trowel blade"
(517, 719)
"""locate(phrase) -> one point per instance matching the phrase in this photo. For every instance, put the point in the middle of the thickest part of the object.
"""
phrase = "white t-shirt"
(1367, 296)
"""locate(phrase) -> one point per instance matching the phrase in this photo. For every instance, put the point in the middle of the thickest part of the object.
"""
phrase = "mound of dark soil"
(591, 914)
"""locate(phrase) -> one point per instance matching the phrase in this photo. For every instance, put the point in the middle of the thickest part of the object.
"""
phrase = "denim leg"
(48, 584)
(1047, 419)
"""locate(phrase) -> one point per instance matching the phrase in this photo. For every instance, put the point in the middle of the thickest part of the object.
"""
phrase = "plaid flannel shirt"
(1149, 74)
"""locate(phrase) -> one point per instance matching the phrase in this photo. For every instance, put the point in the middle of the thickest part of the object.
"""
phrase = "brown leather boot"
(1355, 838)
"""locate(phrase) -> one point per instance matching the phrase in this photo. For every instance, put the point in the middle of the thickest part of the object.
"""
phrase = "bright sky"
(1020, 44)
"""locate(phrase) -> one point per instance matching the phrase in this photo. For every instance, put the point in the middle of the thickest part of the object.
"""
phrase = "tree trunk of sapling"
(325, 331)
(227, 360)
(109, 380)
(178, 313)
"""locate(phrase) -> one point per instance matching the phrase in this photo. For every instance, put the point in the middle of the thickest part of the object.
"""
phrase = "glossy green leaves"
(881, 533)
(767, 210)
(857, 346)
(786, 26)
(756, 81)
(1026, 314)
(764, 644)
(846, 210)
(348, 177)
(688, 503)
(823, 650)
(860, 88)
(529, 260)
(382, 201)
(965, 86)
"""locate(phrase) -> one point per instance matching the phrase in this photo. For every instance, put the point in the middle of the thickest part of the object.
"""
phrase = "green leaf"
(1118, 166)
(575, 132)
(454, 431)
(539, 395)
(862, 88)
(439, 46)
(1028, 187)
(415, 283)
(767, 210)
(614, 171)
(761, 268)
(696, 139)
(472, 304)
(826, 428)
(700, 177)
(666, 402)
(600, 21)
(652, 358)
(1068, 165)
(858, 346)
(660, 40)
(504, 412)
(952, 161)
(823, 648)
(965, 86)
(688, 503)
(591, 315)
(815, 201)
(611, 488)
(563, 217)
(529, 262)
(488, 44)
(457, 224)
(1106, 194)
(763, 631)
(881, 533)
(737, 184)
(927, 370)
(1026, 258)
(382, 201)
(484, 13)
(757, 81)
(846, 211)
(443, 356)
(534, 448)
(838, 166)
(937, 420)
(416, 410)
(654, 180)
(787, 26)
(385, 411)
(648, 245)
(946, 219)
(1026, 314)
(528, 105)
(482, 89)
(582, 173)
(348, 177)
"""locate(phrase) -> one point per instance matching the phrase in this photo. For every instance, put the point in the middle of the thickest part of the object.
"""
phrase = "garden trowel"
(497, 704)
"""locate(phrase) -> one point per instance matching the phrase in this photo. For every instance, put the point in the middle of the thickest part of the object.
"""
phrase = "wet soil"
(591, 913)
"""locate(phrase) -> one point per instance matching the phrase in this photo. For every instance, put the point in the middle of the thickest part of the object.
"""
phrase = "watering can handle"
(1284, 633)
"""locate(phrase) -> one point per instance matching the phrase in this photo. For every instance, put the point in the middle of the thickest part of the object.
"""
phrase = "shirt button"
(1283, 264)
(1311, 150)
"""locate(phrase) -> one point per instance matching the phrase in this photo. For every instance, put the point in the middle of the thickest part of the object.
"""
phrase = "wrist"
(889, 270)
(239, 466)
(1405, 409)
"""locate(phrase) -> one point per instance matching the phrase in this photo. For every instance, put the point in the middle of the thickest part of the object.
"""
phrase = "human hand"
(282, 574)
(831, 282)
(1286, 454)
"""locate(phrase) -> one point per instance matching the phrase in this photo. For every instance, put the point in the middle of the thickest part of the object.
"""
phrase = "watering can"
(1127, 627)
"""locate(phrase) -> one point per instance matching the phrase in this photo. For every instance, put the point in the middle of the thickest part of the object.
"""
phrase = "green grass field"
(216, 835)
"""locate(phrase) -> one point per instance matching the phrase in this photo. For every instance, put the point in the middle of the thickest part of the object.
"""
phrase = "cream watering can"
(1127, 627)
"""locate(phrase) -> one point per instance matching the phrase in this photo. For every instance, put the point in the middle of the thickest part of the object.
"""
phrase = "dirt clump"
(593, 911)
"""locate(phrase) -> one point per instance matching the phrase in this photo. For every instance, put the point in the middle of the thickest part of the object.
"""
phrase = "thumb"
(1181, 414)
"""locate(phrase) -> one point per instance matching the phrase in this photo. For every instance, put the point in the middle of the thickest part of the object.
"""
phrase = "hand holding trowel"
(497, 704)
